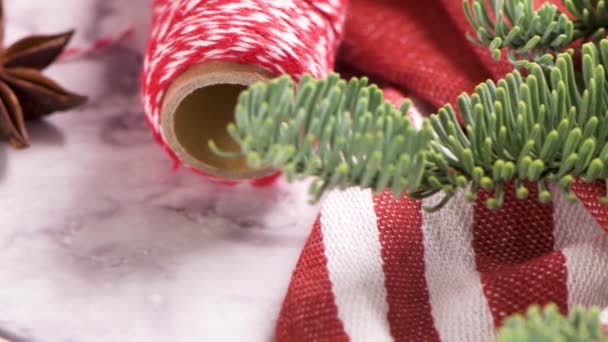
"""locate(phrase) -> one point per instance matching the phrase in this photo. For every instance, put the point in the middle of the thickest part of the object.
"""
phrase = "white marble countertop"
(101, 241)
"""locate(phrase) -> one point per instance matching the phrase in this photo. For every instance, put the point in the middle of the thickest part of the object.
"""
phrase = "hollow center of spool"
(203, 115)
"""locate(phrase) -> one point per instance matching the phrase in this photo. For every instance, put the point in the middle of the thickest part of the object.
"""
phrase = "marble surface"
(101, 241)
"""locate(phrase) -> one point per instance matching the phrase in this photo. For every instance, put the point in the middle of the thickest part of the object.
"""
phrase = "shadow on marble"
(144, 236)
(8, 336)
(122, 69)
(42, 132)
(125, 128)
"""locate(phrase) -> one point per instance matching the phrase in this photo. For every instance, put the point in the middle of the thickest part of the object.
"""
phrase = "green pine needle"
(548, 324)
(550, 126)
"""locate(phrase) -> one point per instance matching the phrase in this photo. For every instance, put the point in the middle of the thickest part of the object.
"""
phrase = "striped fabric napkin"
(379, 269)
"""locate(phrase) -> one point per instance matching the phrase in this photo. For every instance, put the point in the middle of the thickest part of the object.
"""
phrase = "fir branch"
(515, 26)
(548, 324)
(545, 127)
(343, 133)
(591, 17)
(534, 35)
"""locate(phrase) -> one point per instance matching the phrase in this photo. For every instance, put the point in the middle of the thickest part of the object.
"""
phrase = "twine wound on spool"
(201, 54)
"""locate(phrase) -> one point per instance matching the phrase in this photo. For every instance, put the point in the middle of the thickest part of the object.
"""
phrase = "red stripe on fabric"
(309, 312)
(515, 256)
(400, 227)
(496, 68)
(590, 194)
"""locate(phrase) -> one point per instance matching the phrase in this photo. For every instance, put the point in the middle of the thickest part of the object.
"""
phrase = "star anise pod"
(25, 93)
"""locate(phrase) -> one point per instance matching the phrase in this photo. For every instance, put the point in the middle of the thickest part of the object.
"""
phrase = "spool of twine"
(202, 54)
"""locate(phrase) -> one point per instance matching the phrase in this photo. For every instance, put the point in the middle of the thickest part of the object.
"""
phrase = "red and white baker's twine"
(103, 42)
(284, 36)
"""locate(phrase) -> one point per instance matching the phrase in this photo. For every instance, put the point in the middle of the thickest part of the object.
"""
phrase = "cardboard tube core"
(198, 106)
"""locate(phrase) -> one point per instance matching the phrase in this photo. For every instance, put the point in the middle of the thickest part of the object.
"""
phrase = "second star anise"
(25, 93)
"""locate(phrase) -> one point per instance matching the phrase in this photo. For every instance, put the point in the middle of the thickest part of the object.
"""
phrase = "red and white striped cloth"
(379, 269)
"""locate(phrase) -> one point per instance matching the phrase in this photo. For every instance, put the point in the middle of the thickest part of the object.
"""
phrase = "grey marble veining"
(101, 241)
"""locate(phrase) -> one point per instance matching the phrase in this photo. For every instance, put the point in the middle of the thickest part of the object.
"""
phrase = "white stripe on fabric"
(459, 307)
(354, 264)
(585, 245)
(604, 318)
(415, 117)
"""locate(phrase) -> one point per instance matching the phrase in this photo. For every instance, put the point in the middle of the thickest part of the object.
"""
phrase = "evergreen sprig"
(529, 34)
(591, 17)
(514, 25)
(549, 126)
(342, 133)
(548, 324)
